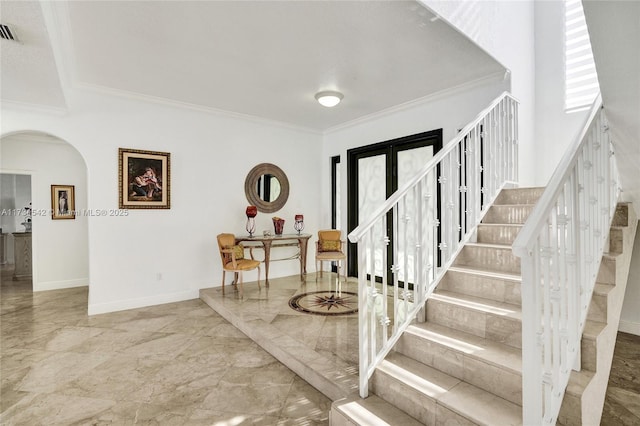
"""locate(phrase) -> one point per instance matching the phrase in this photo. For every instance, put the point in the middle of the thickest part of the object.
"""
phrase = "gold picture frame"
(63, 202)
(144, 179)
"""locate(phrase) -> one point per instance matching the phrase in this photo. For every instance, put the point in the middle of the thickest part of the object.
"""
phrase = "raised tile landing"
(323, 350)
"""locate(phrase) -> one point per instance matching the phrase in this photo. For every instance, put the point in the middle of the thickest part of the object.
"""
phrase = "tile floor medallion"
(325, 303)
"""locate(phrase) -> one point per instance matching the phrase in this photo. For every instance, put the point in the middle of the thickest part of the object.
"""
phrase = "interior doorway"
(59, 248)
(15, 231)
(375, 172)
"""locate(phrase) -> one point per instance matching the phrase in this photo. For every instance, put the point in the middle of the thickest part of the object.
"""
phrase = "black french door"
(376, 171)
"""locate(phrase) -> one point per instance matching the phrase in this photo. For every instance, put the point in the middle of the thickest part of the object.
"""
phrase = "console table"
(284, 240)
(22, 255)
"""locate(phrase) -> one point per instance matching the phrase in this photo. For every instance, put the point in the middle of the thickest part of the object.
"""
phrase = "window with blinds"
(581, 80)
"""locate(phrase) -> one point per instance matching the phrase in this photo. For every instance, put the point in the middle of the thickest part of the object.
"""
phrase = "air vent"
(6, 33)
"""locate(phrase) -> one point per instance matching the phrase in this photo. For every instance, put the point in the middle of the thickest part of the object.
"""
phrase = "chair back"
(329, 240)
(329, 234)
(224, 241)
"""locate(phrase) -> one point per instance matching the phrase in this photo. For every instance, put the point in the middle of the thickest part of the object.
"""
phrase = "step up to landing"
(433, 397)
(474, 315)
(306, 352)
(475, 360)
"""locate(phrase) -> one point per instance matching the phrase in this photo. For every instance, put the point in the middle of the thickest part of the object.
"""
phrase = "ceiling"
(264, 59)
(614, 28)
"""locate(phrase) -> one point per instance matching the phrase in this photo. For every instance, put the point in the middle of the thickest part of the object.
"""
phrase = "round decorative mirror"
(267, 187)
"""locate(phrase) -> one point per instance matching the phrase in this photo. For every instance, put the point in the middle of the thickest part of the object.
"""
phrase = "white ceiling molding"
(425, 100)
(139, 97)
(39, 108)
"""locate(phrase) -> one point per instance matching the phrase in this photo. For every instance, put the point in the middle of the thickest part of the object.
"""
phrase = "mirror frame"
(251, 182)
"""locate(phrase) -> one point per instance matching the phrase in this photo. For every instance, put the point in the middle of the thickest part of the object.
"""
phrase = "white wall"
(630, 316)
(555, 130)
(450, 111)
(60, 247)
(505, 30)
(210, 156)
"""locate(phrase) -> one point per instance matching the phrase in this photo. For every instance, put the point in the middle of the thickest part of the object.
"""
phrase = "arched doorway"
(59, 248)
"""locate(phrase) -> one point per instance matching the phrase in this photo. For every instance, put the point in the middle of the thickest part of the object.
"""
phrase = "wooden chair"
(330, 247)
(232, 256)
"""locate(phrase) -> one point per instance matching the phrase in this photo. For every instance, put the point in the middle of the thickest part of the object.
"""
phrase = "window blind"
(581, 79)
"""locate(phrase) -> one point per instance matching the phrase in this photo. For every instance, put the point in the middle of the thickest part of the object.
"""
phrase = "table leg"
(267, 254)
(303, 257)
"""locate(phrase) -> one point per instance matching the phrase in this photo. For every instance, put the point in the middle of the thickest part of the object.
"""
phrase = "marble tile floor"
(173, 364)
(323, 350)
(182, 363)
(622, 402)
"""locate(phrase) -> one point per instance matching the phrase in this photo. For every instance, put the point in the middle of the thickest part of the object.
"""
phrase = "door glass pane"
(410, 162)
(337, 190)
(372, 179)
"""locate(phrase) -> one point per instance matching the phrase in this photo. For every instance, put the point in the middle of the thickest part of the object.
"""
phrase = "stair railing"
(411, 239)
(560, 247)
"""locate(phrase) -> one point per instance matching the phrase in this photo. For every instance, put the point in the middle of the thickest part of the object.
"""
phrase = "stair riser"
(519, 196)
(500, 290)
(489, 258)
(608, 271)
(497, 234)
(615, 241)
(588, 354)
(508, 214)
(621, 215)
(404, 397)
(455, 363)
(598, 308)
(498, 328)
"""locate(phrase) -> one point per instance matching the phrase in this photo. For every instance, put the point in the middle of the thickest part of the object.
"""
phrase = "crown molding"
(140, 97)
(39, 108)
(494, 77)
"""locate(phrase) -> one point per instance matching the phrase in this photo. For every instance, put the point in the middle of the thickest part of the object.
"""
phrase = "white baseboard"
(121, 305)
(57, 285)
(629, 327)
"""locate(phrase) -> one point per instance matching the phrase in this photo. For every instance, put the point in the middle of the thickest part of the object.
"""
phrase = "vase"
(278, 225)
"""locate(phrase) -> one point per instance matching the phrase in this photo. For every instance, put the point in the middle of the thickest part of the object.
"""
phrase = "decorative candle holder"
(252, 212)
(298, 225)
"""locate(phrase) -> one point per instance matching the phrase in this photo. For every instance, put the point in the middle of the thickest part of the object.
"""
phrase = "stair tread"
(578, 381)
(511, 225)
(427, 380)
(487, 273)
(479, 303)
(460, 397)
(480, 348)
(489, 245)
(374, 411)
(482, 407)
(592, 329)
(514, 205)
(602, 289)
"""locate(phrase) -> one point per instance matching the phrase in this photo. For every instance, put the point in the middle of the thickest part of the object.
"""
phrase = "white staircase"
(464, 364)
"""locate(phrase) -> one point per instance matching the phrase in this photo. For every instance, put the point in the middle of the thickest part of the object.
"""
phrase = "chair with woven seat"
(232, 256)
(329, 248)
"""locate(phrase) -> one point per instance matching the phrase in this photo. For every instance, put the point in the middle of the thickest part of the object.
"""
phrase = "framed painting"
(144, 179)
(63, 202)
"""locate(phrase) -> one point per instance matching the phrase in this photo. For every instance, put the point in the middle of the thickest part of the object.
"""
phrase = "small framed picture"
(63, 202)
(144, 179)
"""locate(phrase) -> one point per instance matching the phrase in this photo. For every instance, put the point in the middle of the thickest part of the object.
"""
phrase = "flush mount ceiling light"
(328, 98)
